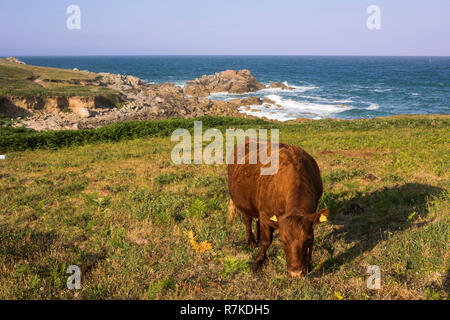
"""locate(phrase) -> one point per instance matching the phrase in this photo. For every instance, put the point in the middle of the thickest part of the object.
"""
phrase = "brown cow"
(286, 200)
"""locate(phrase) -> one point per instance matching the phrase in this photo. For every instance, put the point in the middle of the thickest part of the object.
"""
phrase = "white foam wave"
(359, 87)
(301, 88)
(382, 90)
(287, 109)
(373, 106)
(180, 83)
(295, 88)
(226, 95)
(219, 94)
(304, 106)
(260, 111)
(325, 99)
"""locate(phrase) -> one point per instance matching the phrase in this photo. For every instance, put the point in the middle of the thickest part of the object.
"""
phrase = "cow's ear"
(321, 216)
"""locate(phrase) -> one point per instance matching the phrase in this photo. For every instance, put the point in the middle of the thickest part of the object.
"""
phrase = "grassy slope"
(17, 80)
(122, 211)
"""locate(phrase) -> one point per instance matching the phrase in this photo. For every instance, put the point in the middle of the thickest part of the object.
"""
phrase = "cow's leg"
(309, 259)
(250, 238)
(258, 231)
(266, 240)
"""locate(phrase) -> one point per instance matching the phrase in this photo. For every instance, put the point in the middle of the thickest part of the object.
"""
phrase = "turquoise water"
(335, 87)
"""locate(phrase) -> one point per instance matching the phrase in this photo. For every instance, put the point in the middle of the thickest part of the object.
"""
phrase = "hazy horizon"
(234, 28)
(227, 55)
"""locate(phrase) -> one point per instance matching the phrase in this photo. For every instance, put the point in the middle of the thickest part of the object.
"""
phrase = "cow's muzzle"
(296, 274)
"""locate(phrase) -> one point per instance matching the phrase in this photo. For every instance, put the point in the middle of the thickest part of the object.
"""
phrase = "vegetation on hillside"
(15, 139)
(17, 80)
(140, 227)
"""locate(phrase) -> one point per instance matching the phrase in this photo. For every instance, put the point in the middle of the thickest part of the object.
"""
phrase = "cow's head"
(297, 237)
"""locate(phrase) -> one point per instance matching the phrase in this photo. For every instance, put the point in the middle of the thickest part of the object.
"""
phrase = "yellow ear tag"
(274, 218)
(323, 218)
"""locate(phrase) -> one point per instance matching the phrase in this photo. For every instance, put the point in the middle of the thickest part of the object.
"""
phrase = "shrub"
(18, 139)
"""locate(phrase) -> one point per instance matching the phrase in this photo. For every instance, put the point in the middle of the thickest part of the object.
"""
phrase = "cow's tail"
(232, 212)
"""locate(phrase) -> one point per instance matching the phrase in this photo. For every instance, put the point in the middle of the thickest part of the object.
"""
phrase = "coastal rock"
(140, 101)
(269, 101)
(15, 60)
(45, 106)
(83, 112)
(119, 80)
(231, 107)
(279, 85)
(230, 81)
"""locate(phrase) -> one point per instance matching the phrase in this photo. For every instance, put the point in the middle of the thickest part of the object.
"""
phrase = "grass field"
(141, 227)
(18, 80)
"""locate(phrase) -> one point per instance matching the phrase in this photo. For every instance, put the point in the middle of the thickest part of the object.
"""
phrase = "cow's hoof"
(257, 265)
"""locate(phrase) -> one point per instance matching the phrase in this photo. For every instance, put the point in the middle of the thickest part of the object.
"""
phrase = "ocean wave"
(288, 109)
(373, 106)
(359, 87)
(180, 83)
(325, 99)
(219, 94)
(295, 88)
(260, 111)
(228, 95)
(382, 90)
(301, 88)
(305, 106)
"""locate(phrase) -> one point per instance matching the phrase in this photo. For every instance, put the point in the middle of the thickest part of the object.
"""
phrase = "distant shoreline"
(332, 87)
(227, 55)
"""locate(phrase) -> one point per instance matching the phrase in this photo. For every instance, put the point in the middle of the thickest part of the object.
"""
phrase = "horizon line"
(220, 55)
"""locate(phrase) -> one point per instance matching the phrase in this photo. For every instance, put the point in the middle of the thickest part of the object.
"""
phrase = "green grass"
(115, 205)
(20, 81)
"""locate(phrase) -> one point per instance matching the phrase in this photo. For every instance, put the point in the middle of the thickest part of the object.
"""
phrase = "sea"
(342, 87)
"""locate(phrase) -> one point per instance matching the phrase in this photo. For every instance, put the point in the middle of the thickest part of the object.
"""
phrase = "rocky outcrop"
(269, 101)
(158, 108)
(14, 60)
(40, 106)
(279, 85)
(118, 80)
(226, 81)
(141, 101)
(231, 107)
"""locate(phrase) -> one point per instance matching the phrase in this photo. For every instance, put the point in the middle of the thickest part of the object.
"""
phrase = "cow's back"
(296, 186)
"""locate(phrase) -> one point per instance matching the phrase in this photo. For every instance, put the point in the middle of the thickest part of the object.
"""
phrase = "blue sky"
(252, 27)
